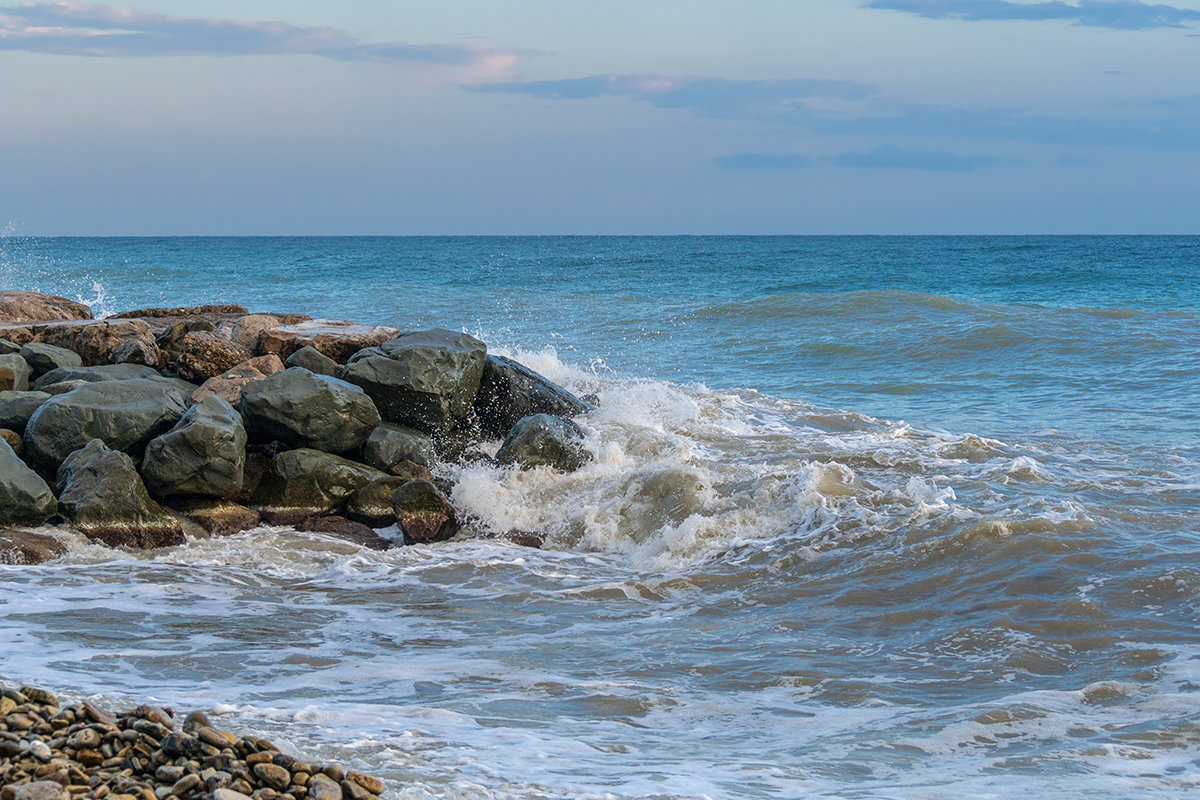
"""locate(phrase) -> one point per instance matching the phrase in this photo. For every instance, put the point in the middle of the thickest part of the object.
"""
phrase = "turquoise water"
(869, 517)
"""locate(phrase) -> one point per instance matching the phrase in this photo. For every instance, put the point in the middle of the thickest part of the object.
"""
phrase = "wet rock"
(205, 355)
(23, 547)
(306, 483)
(17, 407)
(314, 361)
(543, 440)
(337, 339)
(43, 357)
(301, 409)
(219, 517)
(205, 453)
(15, 373)
(105, 499)
(96, 374)
(13, 439)
(426, 380)
(228, 386)
(371, 504)
(509, 392)
(125, 415)
(423, 513)
(355, 532)
(33, 307)
(389, 445)
(25, 499)
(95, 341)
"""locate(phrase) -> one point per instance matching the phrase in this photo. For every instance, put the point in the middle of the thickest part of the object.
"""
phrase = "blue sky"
(476, 116)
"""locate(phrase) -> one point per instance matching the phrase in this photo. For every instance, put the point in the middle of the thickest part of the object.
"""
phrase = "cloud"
(764, 161)
(1128, 15)
(712, 97)
(79, 29)
(888, 157)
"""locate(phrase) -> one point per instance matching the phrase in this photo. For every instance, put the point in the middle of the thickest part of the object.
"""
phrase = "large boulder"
(301, 409)
(23, 547)
(389, 445)
(509, 392)
(335, 338)
(125, 415)
(136, 350)
(314, 361)
(43, 357)
(423, 513)
(205, 355)
(228, 385)
(219, 517)
(543, 440)
(34, 307)
(371, 503)
(25, 499)
(15, 373)
(95, 341)
(17, 407)
(7, 347)
(170, 340)
(205, 453)
(104, 498)
(193, 311)
(426, 380)
(306, 483)
(105, 372)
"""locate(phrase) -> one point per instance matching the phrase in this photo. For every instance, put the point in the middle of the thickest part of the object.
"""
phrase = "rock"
(15, 373)
(423, 513)
(34, 307)
(301, 409)
(17, 407)
(245, 331)
(524, 538)
(104, 372)
(321, 788)
(228, 794)
(17, 335)
(335, 338)
(25, 499)
(43, 357)
(42, 790)
(228, 386)
(273, 776)
(509, 392)
(170, 339)
(543, 440)
(23, 547)
(314, 361)
(7, 347)
(389, 445)
(425, 380)
(125, 415)
(62, 387)
(13, 439)
(371, 504)
(342, 528)
(136, 350)
(95, 341)
(306, 483)
(205, 453)
(205, 355)
(105, 499)
(219, 517)
(194, 311)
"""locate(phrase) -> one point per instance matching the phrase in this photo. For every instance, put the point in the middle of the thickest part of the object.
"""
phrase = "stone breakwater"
(53, 752)
(151, 426)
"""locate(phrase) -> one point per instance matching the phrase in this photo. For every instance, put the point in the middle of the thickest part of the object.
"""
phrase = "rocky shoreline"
(145, 428)
(54, 752)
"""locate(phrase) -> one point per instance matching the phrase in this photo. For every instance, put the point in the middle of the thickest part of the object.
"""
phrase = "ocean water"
(869, 518)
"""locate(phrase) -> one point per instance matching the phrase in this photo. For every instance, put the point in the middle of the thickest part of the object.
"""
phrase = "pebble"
(274, 776)
(40, 750)
(42, 790)
(324, 790)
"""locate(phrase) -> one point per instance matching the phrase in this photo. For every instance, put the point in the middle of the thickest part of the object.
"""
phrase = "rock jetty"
(50, 751)
(149, 426)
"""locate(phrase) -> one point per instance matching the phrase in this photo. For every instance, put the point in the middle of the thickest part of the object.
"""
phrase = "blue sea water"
(869, 517)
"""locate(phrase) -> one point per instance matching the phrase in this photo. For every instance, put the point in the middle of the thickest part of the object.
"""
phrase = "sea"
(870, 517)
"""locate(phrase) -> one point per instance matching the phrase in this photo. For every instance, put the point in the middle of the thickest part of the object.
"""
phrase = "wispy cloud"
(1129, 15)
(886, 157)
(79, 29)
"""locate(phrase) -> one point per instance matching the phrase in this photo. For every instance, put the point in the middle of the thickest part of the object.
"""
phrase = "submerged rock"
(389, 445)
(426, 380)
(43, 357)
(355, 532)
(34, 307)
(219, 517)
(25, 499)
(23, 547)
(306, 483)
(543, 440)
(15, 373)
(104, 498)
(205, 453)
(314, 361)
(423, 513)
(17, 407)
(301, 409)
(509, 392)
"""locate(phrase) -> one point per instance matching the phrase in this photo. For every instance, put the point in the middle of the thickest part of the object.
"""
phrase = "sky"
(297, 117)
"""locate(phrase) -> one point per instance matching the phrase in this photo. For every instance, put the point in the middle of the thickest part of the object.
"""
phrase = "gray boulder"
(371, 503)
(15, 373)
(426, 380)
(509, 392)
(314, 361)
(423, 513)
(25, 499)
(301, 409)
(7, 347)
(106, 372)
(125, 415)
(62, 387)
(389, 445)
(43, 357)
(543, 440)
(17, 407)
(205, 453)
(306, 483)
(105, 499)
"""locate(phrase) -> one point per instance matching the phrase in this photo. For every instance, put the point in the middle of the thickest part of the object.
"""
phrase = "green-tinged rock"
(125, 415)
(305, 483)
(301, 409)
(17, 407)
(104, 372)
(25, 499)
(371, 504)
(389, 445)
(43, 357)
(543, 440)
(314, 361)
(205, 453)
(425, 380)
(509, 392)
(423, 513)
(7, 347)
(15, 373)
(105, 499)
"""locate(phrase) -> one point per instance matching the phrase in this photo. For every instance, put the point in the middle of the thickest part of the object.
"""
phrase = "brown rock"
(181, 312)
(372, 785)
(17, 335)
(423, 513)
(336, 339)
(94, 341)
(138, 350)
(22, 547)
(98, 714)
(246, 330)
(13, 439)
(204, 355)
(62, 387)
(219, 517)
(228, 386)
(342, 528)
(34, 307)
(273, 776)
